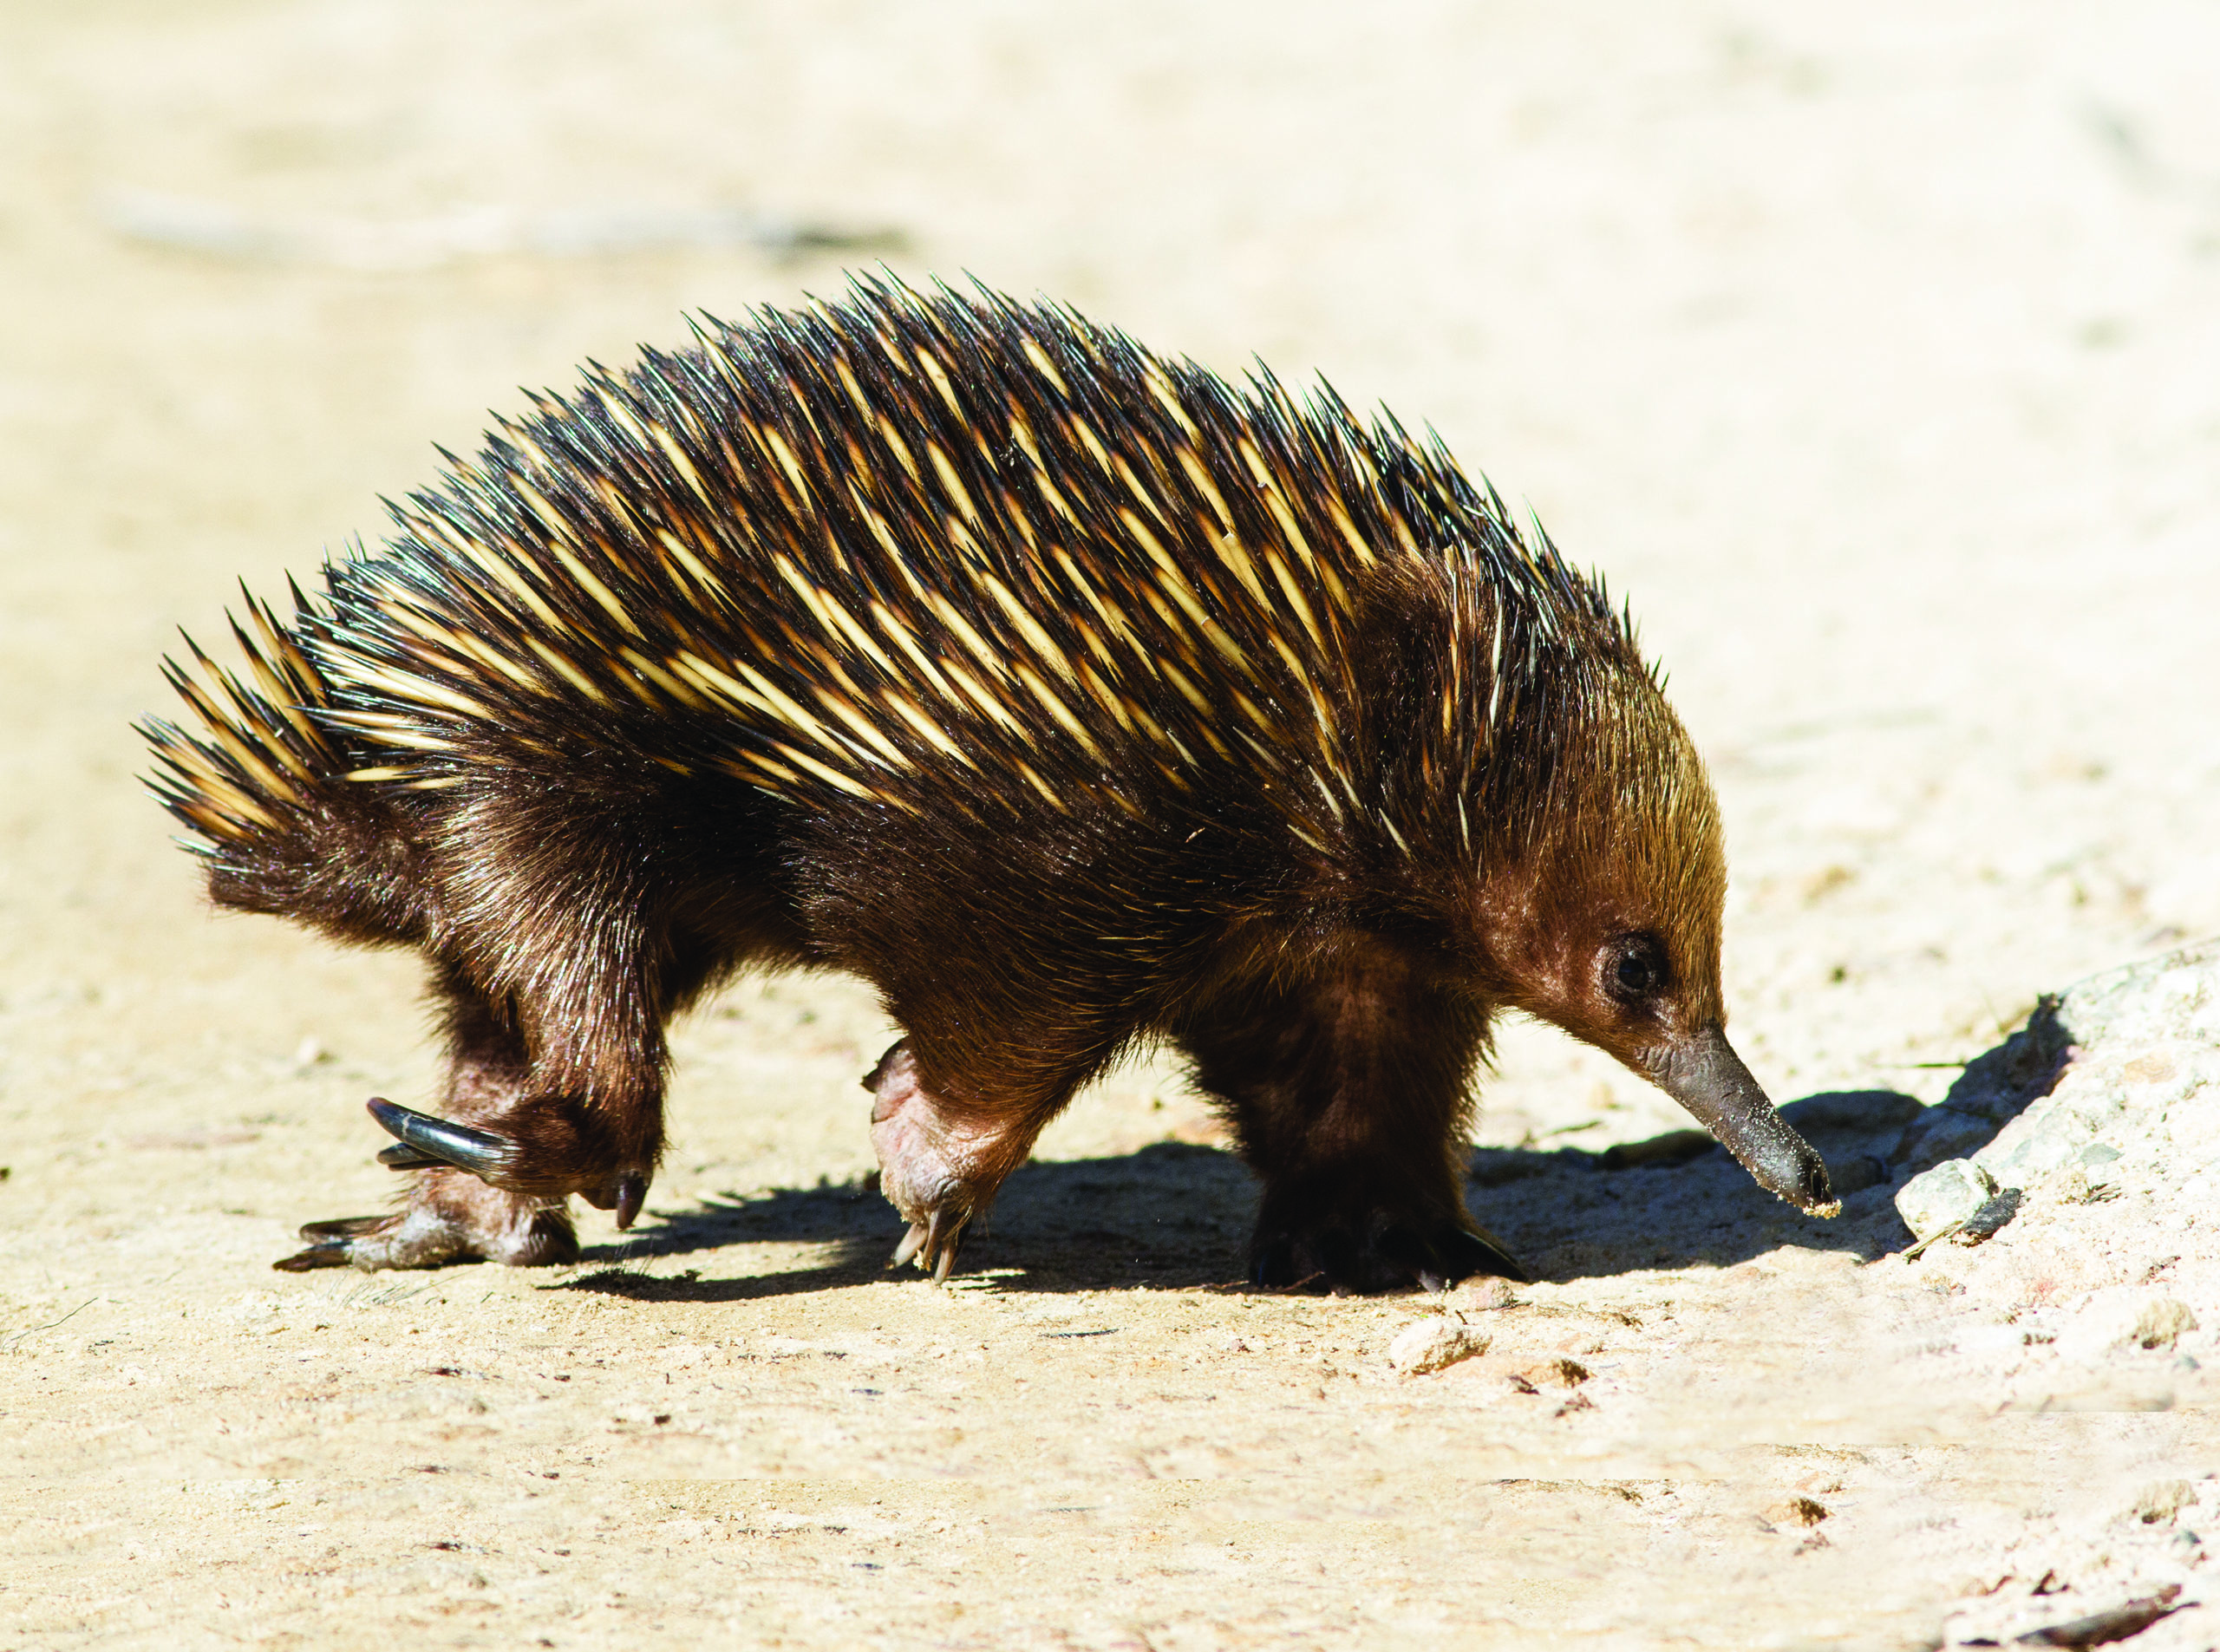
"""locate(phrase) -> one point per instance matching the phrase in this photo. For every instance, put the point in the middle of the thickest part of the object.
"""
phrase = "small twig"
(35, 1330)
(1937, 1237)
(1244, 1287)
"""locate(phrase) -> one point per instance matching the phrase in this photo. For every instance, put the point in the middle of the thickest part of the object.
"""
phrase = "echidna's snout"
(1704, 1074)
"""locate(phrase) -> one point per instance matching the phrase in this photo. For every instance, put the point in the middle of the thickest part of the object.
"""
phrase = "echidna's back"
(857, 552)
(920, 553)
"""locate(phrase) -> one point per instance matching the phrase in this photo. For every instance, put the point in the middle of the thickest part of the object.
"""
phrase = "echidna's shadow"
(1173, 1216)
(1168, 1216)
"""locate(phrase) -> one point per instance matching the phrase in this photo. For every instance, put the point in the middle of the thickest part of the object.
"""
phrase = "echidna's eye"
(1636, 971)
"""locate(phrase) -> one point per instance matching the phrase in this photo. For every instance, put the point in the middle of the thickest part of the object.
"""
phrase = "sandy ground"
(1870, 350)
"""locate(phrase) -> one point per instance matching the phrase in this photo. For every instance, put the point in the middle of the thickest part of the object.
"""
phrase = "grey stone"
(1997, 1211)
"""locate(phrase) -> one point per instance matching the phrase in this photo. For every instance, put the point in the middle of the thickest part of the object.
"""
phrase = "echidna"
(1070, 695)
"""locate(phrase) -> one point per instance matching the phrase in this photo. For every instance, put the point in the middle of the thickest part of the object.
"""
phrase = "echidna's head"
(1606, 921)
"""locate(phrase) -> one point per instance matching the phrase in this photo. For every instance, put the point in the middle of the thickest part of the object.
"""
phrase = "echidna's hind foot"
(450, 1217)
(938, 1167)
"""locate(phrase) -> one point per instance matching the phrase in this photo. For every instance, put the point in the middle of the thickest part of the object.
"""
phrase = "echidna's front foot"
(1371, 1251)
(938, 1168)
(451, 1217)
(550, 1150)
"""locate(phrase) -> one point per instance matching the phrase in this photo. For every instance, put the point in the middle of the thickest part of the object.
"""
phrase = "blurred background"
(1870, 351)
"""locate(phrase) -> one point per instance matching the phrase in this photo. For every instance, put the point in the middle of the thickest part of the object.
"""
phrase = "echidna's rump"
(1069, 694)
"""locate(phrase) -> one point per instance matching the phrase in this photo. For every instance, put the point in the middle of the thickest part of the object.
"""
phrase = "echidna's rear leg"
(1348, 1092)
(573, 921)
(948, 1134)
(939, 1164)
(451, 1214)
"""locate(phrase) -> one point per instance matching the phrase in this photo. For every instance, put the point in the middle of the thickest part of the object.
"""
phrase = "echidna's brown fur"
(1069, 694)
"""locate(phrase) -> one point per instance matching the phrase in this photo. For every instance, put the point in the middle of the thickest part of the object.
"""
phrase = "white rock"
(2041, 1140)
(2193, 1126)
(2092, 1091)
(2161, 1075)
(1944, 1197)
(2169, 997)
(1433, 1345)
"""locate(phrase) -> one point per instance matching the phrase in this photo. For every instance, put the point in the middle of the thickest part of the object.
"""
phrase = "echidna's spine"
(263, 785)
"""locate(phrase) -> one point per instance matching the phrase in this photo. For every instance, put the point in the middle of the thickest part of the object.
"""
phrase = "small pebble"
(2158, 1502)
(1433, 1345)
(2161, 1323)
(1487, 1293)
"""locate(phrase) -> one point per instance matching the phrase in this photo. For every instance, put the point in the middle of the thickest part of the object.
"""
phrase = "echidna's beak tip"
(1705, 1075)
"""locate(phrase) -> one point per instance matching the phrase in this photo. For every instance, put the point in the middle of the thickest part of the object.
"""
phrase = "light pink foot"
(939, 1169)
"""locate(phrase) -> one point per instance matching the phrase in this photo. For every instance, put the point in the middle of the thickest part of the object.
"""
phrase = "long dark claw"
(912, 1242)
(400, 1156)
(427, 1140)
(932, 1244)
(449, 1218)
(324, 1253)
(1468, 1253)
(630, 1191)
(930, 1258)
(330, 1243)
(341, 1227)
(1438, 1259)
